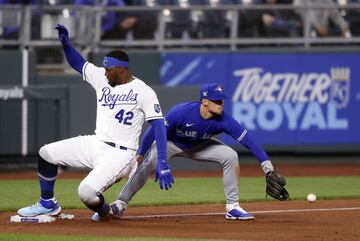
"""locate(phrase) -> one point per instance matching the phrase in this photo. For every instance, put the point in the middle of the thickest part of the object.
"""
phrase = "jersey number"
(128, 116)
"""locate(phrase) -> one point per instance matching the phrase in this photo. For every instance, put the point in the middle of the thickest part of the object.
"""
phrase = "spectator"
(215, 23)
(109, 19)
(324, 22)
(136, 24)
(197, 23)
(182, 24)
(277, 22)
(353, 17)
(11, 28)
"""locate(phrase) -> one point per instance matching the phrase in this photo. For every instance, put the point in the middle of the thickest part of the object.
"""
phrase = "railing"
(35, 24)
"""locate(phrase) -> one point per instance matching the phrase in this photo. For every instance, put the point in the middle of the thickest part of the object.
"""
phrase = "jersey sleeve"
(171, 117)
(151, 105)
(239, 133)
(94, 75)
(233, 128)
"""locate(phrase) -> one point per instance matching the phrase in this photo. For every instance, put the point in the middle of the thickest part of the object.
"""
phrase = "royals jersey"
(121, 110)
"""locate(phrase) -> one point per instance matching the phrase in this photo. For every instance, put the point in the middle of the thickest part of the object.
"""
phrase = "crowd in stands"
(214, 23)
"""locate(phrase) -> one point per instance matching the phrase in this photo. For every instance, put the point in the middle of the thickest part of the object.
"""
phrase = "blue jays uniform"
(189, 130)
(190, 135)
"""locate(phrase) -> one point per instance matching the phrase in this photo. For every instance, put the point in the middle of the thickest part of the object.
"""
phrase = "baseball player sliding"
(190, 127)
(123, 103)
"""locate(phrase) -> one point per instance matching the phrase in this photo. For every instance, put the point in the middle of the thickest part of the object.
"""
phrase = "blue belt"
(114, 145)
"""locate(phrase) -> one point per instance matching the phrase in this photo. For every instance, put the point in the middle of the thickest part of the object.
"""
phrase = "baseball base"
(40, 218)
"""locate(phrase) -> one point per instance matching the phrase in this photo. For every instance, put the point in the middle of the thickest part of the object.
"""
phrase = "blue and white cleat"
(95, 217)
(235, 212)
(48, 207)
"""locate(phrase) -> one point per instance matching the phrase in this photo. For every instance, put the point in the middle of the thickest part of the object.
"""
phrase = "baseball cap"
(212, 91)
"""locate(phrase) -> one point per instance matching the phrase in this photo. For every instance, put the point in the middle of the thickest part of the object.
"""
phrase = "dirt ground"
(275, 220)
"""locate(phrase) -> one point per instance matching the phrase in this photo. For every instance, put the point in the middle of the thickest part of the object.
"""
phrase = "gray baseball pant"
(212, 150)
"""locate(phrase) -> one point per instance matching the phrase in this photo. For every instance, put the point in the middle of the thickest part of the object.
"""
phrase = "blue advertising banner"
(283, 98)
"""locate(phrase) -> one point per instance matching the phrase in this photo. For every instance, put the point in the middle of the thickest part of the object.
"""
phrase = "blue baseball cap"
(212, 91)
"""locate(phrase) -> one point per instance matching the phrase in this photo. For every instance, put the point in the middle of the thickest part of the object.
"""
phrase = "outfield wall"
(324, 118)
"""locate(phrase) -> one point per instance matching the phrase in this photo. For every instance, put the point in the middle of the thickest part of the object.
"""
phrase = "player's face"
(216, 107)
(112, 76)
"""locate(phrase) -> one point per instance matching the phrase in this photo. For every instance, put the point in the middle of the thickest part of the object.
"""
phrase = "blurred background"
(291, 68)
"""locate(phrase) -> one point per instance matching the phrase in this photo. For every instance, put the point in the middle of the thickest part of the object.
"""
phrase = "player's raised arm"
(73, 57)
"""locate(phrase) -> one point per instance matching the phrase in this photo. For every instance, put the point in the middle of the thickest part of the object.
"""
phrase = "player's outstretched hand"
(163, 174)
(63, 33)
(139, 159)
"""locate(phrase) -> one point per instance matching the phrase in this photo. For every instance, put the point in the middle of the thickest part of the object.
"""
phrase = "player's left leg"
(215, 151)
(74, 152)
(144, 170)
(110, 166)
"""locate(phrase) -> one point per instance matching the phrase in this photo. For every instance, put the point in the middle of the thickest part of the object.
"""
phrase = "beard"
(112, 83)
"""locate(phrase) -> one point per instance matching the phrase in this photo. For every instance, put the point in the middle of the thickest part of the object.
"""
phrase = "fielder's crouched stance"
(124, 102)
(190, 127)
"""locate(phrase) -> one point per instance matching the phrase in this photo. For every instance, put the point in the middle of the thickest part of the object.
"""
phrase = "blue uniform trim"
(110, 62)
(242, 135)
(114, 145)
(154, 117)
(160, 137)
(74, 58)
(146, 142)
(84, 72)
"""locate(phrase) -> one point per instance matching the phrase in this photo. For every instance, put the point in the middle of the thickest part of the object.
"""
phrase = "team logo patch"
(157, 108)
(340, 86)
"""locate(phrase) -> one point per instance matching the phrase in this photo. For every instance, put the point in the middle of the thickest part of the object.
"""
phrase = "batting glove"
(63, 33)
(163, 174)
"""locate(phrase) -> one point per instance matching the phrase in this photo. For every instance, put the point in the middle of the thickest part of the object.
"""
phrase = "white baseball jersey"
(121, 110)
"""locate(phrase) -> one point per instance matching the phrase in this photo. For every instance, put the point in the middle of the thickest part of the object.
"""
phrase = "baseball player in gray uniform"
(190, 127)
(124, 102)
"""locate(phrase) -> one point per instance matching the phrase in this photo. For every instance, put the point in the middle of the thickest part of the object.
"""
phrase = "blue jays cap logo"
(157, 108)
(212, 91)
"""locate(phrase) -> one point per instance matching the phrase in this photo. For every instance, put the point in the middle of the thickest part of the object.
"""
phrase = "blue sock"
(47, 175)
(47, 188)
(47, 203)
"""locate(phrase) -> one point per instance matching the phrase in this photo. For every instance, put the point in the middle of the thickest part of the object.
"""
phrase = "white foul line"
(254, 212)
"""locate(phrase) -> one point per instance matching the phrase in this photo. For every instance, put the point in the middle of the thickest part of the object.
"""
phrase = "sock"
(47, 203)
(101, 207)
(47, 173)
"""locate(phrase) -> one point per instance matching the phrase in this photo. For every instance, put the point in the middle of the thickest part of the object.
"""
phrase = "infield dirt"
(328, 224)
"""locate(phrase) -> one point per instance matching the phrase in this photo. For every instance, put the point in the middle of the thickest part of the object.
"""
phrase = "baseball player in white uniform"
(123, 103)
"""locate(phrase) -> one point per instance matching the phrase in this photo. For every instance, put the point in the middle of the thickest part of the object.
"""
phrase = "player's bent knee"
(88, 195)
(231, 157)
(44, 153)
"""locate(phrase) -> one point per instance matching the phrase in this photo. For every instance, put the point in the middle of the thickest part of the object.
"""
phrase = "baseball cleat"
(47, 207)
(117, 209)
(235, 212)
(95, 217)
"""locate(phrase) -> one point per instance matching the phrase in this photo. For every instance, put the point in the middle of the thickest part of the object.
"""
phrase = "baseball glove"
(275, 186)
